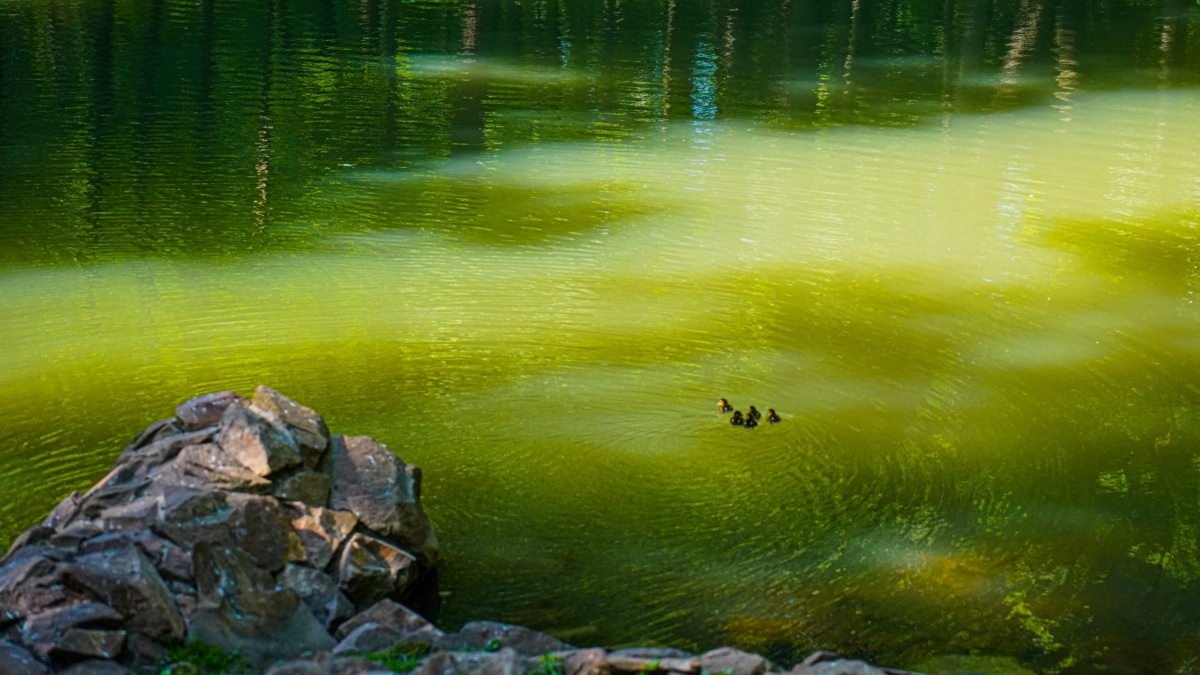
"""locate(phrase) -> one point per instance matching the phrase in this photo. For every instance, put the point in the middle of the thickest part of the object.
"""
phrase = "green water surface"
(529, 243)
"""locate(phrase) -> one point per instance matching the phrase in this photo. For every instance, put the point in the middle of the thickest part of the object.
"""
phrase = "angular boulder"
(307, 427)
(377, 486)
(17, 661)
(241, 608)
(307, 487)
(320, 592)
(126, 579)
(205, 411)
(253, 441)
(321, 532)
(371, 569)
(390, 614)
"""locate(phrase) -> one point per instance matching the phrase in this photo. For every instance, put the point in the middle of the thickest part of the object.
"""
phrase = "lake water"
(528, 244)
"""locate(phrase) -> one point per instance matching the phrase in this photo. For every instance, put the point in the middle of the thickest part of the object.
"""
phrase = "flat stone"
(100, 644)
(143, 655)
(15, 660)
(212, 466)
(736, 661)
(136, 515)
(32, 537)
(636, 664)
(377, 486)
(167, 427)
(390, 614)
(205, 411)
(584, 662)
(307, 427)
(308, 487)
(96, 667)
(371, 569)
(477, 635)
(127, 580)
(142, 460)
(504, 662)
(321, 532)
(320, 592)
(257, 444)
(367, 638)
(175, 564)
(440, 663)
(63, 512)
(48, 626)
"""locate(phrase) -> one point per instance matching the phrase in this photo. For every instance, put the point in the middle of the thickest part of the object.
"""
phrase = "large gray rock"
(736, 661)
(29, 582)
(307, 427)
(43, 629)
(97, 644)
(210, 465)
(371, 569)
(206, 411)
(367, 638)
(241, 608)
(308, 487)
(141, 460)
(16, 661)
(441, 663)
(321, 532)
(377, 486)
(829, 663)
(127, 580)
(320, 592)
(477, 635)
(258, 445)
(504, 662)
(391, 614)
(585, 662)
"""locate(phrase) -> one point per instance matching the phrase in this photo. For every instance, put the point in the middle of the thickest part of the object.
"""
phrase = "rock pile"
(245, 525)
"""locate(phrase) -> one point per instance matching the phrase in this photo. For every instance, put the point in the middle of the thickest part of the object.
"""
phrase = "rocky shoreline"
(244, 525)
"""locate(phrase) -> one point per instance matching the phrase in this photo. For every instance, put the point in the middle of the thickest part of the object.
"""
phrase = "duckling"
(724, 407)
(737, 420)
(772, 417)
(751, 423)
(754, 414)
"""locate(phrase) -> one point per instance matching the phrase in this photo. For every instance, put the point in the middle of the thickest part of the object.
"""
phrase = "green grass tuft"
(198, 658)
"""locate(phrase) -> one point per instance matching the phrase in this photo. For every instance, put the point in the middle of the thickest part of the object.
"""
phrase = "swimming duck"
(772, 417)
(753, 414)
(737, 420)
(724, 407)
(750, 423)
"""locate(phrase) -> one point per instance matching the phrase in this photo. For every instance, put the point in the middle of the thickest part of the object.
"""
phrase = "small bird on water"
(737, 420)
(772, 417)
(724, 407)
(750, 422)
(753, 414)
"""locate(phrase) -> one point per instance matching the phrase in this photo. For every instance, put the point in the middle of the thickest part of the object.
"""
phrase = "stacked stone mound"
(240, 523)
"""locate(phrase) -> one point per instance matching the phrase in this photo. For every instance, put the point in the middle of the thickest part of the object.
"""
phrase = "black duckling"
(750, 423)
(724, 407)
(772, 417)
(754, 414)
(737, 420)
